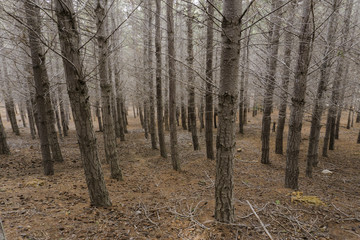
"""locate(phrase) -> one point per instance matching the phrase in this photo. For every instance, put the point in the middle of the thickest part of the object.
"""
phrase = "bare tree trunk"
(159, 103)
(191, 79)
(79, 99)
(4, 147)
(152, 125)
(298, 100)
(30, 114)
(286, 71)
(228, 96)
(329, 139)
(341, 102)
(201, 114)
(38, 63)
(270, 82)
(105, 86)
(22, 113)
(312, 156)
(209, 82)
(9, 101)
(183, 112)
(57, 116)
(172, 86)
(166, 93)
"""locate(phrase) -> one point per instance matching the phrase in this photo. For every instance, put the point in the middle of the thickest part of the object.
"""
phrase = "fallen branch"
(262, 224)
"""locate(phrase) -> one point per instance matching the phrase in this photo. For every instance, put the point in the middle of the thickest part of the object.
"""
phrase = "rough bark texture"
(9, 101)
(329, 139)
(38, 64)
(105, 86)
(209, 82)
(80, 105)
(298, 100)
(159, 103)
(152, 125)
(228, 95)
(4, 147)
(191, 79)
(312, 155)
(286, 72)
(270, 82)
(172, 86)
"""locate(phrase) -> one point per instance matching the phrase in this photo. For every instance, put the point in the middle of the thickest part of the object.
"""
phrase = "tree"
(172, 86)
(286, 71)
(149, 73)
(106, 86)
(319, 104)
(159, 103)
(270, 80)
(329, 139)
(191, 79)
(4, 147)
(209, 82)
(41, 84)
(228, 95)
(298, 99)
(79, 100)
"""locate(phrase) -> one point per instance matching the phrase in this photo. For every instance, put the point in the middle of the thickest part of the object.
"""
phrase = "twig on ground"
(262, 224)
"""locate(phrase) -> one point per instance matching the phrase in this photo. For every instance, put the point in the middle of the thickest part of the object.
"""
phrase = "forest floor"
(155, 202)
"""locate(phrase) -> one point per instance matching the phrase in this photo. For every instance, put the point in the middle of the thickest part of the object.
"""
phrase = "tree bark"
(152, 125)
(191, 79)
(105, 86)
(228, 96)
(286, 71)
(159, 103)
(80, 105)
(4, 147)
(38, 64)
(329, 139)
(298, 99)
(172, 86)
(270, 82)
(209, 82)
(312, 155)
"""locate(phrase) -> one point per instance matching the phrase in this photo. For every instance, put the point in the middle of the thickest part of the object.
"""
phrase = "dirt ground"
(155, 202)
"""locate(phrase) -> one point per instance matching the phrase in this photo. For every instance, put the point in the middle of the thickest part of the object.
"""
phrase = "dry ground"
(155, 202)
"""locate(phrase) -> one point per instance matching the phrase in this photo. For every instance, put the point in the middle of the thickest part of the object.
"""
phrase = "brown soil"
(155, 202)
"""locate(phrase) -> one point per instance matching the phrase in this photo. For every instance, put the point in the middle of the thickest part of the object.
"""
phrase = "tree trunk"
(152, 126)
(4, 147)
(30, 114)
(191, 79)
(329, 139)
(79, 99)
(105, 86)
(341, 102)
(228, 96)
(57, 117)
(286, 71)
(9, 101)
(159, 103)
(22, 113)
(172, 86)
(38, 64)
(298, 99)
(312, 155)
(270, 82)
(209, 82)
